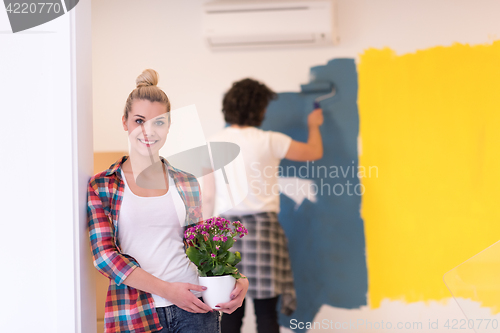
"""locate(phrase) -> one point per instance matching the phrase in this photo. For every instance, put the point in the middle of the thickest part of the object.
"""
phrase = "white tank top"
(149, 230)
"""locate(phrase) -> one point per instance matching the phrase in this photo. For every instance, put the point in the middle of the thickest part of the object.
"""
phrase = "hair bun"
(149, 77)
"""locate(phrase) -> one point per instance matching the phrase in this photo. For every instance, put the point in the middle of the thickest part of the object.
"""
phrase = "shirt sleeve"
(107, 259)
(194, 200)
(279, 144)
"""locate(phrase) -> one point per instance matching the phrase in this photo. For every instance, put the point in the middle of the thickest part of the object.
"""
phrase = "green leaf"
(238, 258)
(230, 270)
(202, 273)
(227, 244)
(194, 255)
(231, 258)
(218, 270)
(208, 266)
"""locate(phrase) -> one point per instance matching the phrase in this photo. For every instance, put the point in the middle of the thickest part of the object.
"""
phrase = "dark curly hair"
(246, 102)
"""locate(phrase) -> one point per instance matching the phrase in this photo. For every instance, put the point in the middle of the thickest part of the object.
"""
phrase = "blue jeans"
(176, 320)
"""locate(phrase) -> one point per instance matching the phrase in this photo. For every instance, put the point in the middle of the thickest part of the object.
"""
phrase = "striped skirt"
(265, 260)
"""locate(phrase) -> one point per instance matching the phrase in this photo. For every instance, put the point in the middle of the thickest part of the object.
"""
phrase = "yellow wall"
(429, 121)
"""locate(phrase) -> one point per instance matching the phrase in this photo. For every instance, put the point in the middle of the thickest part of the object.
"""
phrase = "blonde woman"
(137, 212)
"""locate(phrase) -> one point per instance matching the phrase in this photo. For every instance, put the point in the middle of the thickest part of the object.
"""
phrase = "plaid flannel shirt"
(127, 309)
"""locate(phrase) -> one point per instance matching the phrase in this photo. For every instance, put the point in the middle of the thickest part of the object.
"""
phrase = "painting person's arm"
(313, 149)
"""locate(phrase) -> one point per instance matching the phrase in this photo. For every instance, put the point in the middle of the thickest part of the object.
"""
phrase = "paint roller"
(319, 87)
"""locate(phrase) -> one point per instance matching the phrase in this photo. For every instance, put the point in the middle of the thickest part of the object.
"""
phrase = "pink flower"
(213, 255)
(217, 247)
(216, 238)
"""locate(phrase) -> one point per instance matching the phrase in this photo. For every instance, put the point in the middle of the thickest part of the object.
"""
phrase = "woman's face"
(147, 126)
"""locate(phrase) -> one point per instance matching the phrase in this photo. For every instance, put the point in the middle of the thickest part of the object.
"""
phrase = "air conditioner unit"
(252, 23)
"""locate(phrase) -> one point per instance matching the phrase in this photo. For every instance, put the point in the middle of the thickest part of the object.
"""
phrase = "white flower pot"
(219, 289)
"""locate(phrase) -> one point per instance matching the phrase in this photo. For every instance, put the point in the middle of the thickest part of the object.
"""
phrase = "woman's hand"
(179, 293)
(237, 296)
(176, 292)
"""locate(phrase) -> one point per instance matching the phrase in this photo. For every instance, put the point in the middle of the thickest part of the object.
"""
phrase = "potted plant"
(208, 248)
